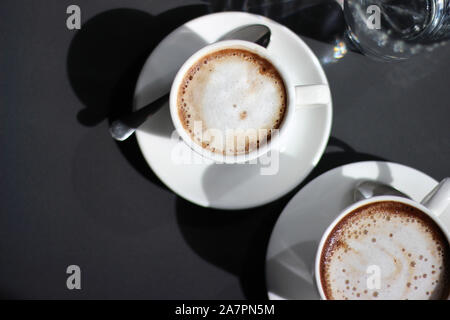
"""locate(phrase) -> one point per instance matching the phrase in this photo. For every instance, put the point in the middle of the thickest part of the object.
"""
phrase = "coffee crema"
(392, 240)
(231, 100)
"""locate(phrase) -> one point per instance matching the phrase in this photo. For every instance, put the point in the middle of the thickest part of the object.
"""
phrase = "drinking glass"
(397, 29)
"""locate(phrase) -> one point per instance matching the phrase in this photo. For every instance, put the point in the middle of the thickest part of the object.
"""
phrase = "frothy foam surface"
(231, 100)
(409, 249)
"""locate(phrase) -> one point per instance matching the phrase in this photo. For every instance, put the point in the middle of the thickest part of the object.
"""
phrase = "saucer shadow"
(237, 241)
(105, 59)
(107, 54)
(321, 20)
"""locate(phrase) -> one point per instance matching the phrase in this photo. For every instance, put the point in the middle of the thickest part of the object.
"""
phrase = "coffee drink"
(231, 100)
(386, 250)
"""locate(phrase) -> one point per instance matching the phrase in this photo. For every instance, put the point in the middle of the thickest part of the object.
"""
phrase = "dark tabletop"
(70, 195)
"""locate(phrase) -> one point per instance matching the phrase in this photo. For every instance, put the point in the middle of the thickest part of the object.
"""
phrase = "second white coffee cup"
(436, 205)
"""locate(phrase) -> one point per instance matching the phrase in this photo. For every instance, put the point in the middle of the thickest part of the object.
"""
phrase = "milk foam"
(410, 250)
(236, 98)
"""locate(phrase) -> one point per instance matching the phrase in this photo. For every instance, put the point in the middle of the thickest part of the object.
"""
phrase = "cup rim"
(353, 207)
(209, 155)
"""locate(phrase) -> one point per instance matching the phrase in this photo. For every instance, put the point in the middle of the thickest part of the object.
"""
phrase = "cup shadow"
(237, 241)
(222, 182)
(295, 266)
(157, 75)
(104, 61)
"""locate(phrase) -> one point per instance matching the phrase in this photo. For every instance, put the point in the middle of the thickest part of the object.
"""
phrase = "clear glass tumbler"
(397, 29)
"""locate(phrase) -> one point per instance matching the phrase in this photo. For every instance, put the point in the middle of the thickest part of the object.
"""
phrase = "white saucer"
(297, 233)
(230, 186)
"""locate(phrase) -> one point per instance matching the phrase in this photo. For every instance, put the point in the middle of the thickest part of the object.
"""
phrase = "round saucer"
(224, 186)
(293, 244)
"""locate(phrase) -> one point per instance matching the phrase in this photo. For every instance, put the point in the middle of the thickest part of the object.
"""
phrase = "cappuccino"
(386, 250)
(231, 100)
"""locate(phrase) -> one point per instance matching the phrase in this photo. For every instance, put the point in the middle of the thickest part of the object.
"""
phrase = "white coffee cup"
(436, 205)
(298, 95)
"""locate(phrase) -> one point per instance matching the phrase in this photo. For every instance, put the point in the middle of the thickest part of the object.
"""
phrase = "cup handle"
(438, 201)
(312, 95)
